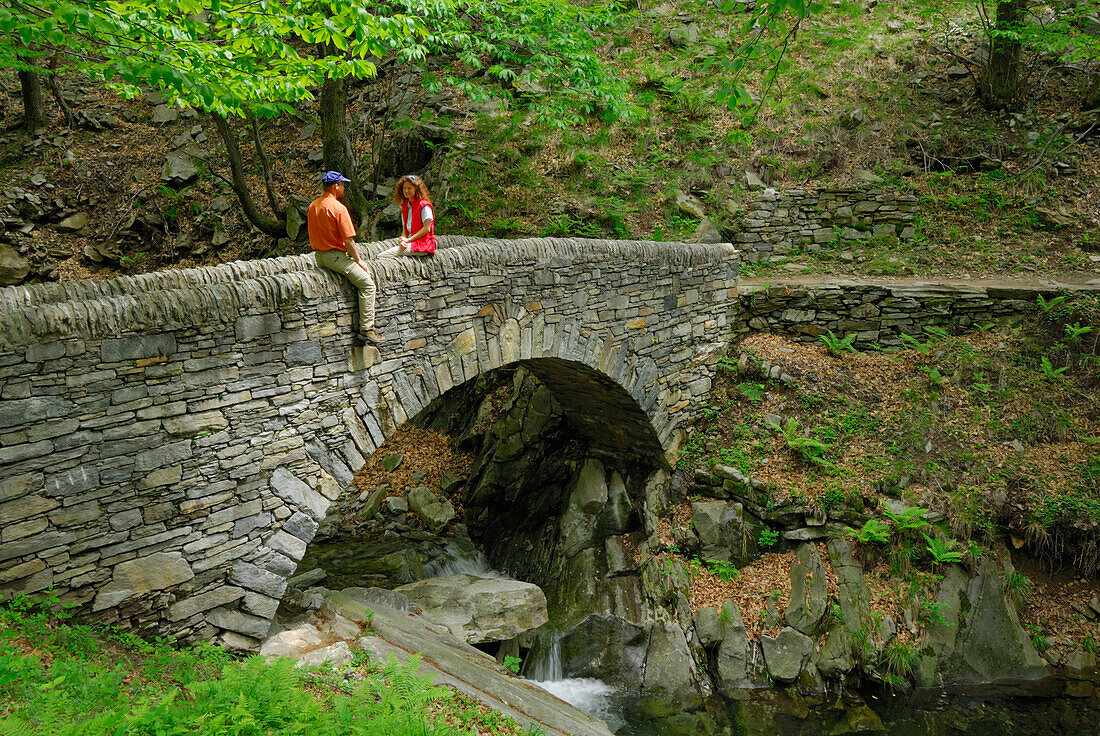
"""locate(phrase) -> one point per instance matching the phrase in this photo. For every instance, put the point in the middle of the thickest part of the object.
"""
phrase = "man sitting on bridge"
(332, 238)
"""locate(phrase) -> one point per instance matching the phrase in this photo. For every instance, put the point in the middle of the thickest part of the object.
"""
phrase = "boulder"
(689, 204)
(372, 502)
(449, 481)
(605, 647)
(292, 642)
(753, 181)
(306, 579)
(165, 114)
(991, 645)
(1082, 665)
(294, 221)
(479, 609)
(334, 655)
(618, 513)
(392, 462)
(854, 598)
(834, 659)
(350, 602)
(723, 634)
(434, 512)
(940, 633)
(786, 654)
(808, 595)
(671, 681)
(13, 267)
(725, 531)
(579, 522)
(707, 232)
(179, 169)
(684, 35)
(74, 223)
(402, 566)
(852, 119)
(159, 571)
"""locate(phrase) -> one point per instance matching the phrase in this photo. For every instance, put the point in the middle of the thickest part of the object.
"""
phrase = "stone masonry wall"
(170, 442)
(877, 312)
(778, 221)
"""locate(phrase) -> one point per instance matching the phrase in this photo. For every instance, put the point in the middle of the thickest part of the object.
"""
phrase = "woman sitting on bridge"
(417, 218)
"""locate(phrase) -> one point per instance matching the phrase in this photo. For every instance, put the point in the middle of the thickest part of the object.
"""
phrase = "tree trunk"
(1092, 97)
(269, 181)
(1000, 83)
(336, 145)
(267, 225)
(34, 106)
(55, 87)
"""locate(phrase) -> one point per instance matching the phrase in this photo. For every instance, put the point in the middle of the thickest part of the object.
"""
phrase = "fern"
(943, 550)
(1049, 371)
(809, 449)
(934, 376)
(924, 348)
(1047, 306)
(908, 520)
(936, 333)
(1075, 331)
(836, 345)
(872, 532)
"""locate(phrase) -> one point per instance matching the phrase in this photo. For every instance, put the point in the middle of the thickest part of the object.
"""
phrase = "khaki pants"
(340, 262)
(397, 250)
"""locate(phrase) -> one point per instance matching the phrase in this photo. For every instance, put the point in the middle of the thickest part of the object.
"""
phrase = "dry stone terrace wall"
(879, 312)
(778, 221)
(170, 442)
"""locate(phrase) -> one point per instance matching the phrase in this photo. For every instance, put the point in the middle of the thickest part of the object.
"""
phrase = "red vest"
(425, 244)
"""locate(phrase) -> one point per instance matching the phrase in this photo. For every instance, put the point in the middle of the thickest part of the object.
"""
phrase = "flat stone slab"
(457, 664)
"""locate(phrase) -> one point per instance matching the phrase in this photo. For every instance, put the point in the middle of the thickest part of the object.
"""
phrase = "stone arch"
(211, 415)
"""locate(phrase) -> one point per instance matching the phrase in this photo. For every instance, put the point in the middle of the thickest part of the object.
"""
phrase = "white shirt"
(425, 215)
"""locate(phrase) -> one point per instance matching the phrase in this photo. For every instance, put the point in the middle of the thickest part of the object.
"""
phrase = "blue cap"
(332, 177)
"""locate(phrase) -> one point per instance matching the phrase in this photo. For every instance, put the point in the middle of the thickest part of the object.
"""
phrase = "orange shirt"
(329, 223)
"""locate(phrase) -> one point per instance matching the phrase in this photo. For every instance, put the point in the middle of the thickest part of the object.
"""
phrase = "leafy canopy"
(260, 57)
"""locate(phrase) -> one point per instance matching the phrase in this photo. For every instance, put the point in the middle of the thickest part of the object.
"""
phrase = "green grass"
(62, 678)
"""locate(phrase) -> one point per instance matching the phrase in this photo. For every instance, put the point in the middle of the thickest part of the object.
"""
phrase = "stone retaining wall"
(170, 442)
(880, 313)
(779, 221)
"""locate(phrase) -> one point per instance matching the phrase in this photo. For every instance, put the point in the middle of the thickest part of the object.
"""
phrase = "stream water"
(768, 711)
(543, 667)
(590, 695)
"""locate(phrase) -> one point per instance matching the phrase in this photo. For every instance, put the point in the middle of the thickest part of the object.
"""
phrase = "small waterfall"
(543, 668)
(478, 566)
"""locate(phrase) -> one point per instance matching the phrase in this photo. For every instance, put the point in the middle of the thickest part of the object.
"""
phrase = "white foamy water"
(476, 566)
(590, 695)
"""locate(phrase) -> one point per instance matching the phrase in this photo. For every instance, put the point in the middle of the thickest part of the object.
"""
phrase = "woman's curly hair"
(416, 181)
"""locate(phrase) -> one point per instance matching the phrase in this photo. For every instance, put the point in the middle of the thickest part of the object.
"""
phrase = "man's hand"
(349, 243)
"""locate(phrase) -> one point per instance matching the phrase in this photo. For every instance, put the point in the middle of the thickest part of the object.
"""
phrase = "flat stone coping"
(178, 298)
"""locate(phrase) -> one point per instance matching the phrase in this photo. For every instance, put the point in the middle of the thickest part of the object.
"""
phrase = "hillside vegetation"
(956, 449)
(59, 676)
(866, 93)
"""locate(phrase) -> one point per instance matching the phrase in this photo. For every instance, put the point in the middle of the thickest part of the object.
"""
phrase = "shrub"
(768, 537)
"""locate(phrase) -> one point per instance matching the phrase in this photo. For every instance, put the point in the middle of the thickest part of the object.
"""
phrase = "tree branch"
(268, 181)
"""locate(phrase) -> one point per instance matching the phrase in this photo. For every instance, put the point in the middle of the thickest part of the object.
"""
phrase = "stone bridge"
(169, 442)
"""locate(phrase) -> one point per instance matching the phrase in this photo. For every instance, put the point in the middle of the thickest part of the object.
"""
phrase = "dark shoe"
(370, 337)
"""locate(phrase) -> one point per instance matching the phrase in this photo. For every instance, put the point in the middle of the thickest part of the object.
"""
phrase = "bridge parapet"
(170, 442)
